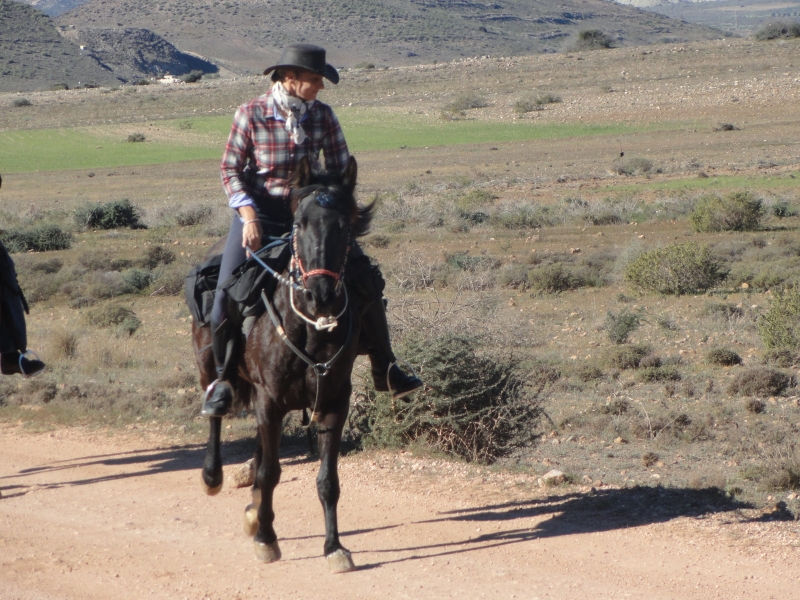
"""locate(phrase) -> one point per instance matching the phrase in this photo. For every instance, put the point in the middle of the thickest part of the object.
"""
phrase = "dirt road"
(92, 516)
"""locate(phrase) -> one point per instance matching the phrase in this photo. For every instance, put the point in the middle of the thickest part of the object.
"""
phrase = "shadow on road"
(571, 514)
(153, 461)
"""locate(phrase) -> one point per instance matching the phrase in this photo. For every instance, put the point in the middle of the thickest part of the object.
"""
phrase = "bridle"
(296, 281)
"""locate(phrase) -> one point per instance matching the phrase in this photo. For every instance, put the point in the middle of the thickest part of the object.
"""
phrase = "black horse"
(299, 355)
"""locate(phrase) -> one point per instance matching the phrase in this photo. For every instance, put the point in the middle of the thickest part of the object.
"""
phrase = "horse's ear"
(302, 175)
(350, 174)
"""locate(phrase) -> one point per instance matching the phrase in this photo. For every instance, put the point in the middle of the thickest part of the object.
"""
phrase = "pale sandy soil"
(88, 516)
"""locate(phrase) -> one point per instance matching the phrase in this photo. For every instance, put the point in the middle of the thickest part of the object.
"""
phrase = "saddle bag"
(243, 288)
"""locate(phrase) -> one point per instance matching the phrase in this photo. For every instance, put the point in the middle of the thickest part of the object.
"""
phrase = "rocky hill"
(34, 56)
(245, 35)
(136, 53)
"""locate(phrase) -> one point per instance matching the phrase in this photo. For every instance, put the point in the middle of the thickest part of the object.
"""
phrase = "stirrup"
(221, 411)
(23, 356)
(395, 395)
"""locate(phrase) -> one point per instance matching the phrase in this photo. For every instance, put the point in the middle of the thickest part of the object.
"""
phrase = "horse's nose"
(308, 295)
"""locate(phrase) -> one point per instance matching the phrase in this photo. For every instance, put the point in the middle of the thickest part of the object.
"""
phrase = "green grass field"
(365, 130)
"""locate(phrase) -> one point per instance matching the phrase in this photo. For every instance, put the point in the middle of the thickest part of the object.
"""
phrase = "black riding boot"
(367, 289)
(219, 395)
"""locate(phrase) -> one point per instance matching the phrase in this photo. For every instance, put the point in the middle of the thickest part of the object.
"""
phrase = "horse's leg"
(267, 477)
(212, 467)
(329, 435)
(251, 511)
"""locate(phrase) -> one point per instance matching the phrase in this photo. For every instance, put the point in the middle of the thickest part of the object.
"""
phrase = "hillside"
(244, 36)
(135, 53)
(34, 56)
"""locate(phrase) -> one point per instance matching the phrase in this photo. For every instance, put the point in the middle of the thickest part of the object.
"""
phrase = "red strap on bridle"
(306, 274)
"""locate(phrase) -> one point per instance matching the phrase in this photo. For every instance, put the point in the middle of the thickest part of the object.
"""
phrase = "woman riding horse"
(269, 137)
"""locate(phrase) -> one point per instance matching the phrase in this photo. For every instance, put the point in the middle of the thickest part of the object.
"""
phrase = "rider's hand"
(251, 232)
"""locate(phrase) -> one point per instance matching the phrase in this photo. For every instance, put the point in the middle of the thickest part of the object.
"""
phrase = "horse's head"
(327, 219)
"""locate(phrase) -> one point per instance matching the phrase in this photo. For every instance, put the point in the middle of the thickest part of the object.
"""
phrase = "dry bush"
(156, 255)
(760, 381)
(780, 326)
(592, 39)
(723, 357)
(112, 215)
(63, 344)
(649, 459)
(777, 29)
(475, 405)
(625, 357)
(675, 269)
(657, 374)
(121, 318)
(619, 326)
(782, 358)
(632, 166)
(755, 406)
(738, 211)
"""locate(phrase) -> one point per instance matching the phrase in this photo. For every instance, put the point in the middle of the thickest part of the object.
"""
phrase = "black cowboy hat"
(307, 57)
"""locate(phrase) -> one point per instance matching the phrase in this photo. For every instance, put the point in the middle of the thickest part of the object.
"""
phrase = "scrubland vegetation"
(629, 326)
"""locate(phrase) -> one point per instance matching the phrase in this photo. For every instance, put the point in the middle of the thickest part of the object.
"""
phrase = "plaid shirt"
(260, 157)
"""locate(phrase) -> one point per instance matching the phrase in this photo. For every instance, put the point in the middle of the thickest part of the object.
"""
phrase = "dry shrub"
(632, 166)
(112, 215)
(63, 344)
(626, 357)
(116, 316)
(754, 406)
(738, 211)
(779, 327)
(723, 357)
(155, 256)
(658, 374)
(675, 269)
(649, 459)
(781, 358)
(587, 372)
(474, 405)
(760, 381)
(619, 326)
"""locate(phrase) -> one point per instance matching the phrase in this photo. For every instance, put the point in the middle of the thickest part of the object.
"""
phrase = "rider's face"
(303, 84)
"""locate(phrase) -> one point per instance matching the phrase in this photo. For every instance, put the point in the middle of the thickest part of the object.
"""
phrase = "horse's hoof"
(340, 561)
(267, 553)
(250, 521)
(210, 491)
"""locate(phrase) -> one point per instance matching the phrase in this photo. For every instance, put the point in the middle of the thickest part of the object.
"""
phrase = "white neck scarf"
(293, 109)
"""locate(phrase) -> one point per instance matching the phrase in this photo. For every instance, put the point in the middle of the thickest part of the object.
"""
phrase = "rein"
(322, 323)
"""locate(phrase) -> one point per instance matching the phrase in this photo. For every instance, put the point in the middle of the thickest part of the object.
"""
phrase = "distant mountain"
(34, 56)
(136, 53)
(54, 7)
(244, 36)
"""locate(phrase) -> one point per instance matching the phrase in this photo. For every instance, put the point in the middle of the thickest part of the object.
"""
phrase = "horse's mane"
(360, 215)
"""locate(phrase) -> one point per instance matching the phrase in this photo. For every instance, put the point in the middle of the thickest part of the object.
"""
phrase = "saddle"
(243, 287)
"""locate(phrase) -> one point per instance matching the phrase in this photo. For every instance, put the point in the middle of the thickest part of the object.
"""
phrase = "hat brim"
(329, 73)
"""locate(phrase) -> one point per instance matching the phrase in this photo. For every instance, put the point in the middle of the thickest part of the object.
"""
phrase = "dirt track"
(89, 516)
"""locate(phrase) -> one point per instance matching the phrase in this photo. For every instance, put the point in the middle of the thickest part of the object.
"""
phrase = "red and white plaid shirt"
(260, 157)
